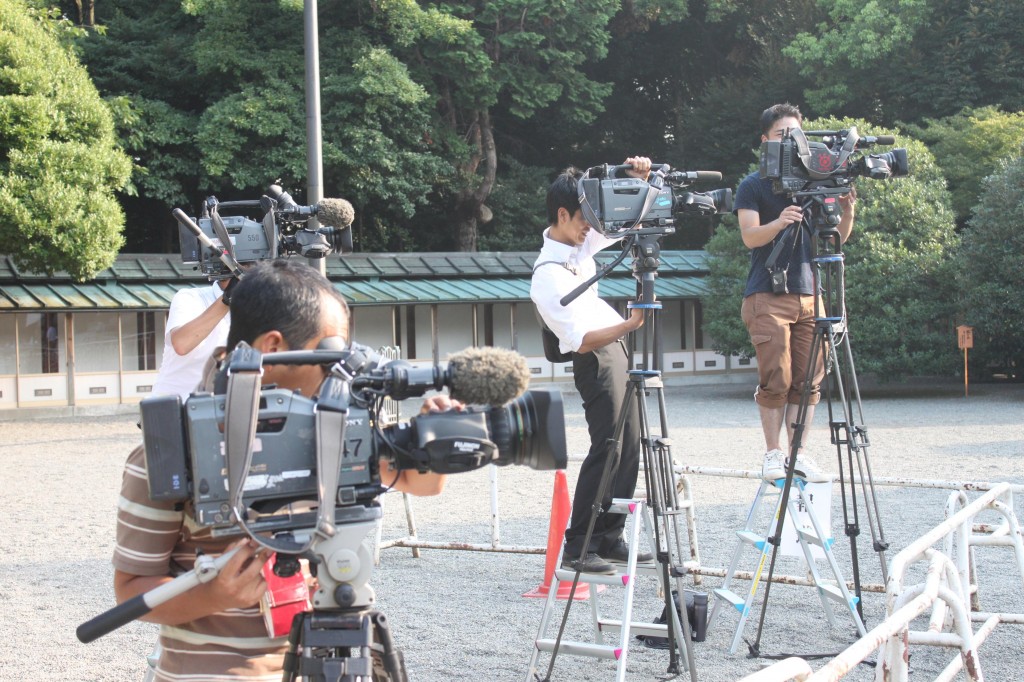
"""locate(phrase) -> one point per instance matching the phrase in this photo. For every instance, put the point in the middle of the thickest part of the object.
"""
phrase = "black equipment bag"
(552, 353)
(696, 614)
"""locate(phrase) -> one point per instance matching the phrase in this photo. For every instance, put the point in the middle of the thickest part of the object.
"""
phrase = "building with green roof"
(69, 344)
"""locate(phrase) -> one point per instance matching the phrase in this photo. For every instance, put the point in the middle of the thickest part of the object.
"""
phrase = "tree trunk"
(466, 233)
(86, 12)
(480, 181)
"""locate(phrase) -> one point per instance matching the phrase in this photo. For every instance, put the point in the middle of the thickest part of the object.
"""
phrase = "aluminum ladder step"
(581, 649)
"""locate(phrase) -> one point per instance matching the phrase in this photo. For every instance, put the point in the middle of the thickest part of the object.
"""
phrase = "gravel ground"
(458, 614)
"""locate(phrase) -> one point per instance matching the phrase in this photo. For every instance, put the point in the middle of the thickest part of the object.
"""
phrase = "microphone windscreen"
(885, 139)
(487, 376)
(335, 213)
(709, 175)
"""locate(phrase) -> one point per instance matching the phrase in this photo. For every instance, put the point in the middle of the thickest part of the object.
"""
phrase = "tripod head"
(822, 210)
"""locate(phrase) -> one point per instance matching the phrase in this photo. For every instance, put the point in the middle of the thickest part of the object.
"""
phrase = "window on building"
(698, 325)
(141, 340)
(50, 343)
(146, 340)
(40, 342)
(96, 342)
(8, 348)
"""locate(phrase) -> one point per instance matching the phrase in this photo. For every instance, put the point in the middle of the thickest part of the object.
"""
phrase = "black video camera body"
(613, 204)
(187, 462)
(795, 165)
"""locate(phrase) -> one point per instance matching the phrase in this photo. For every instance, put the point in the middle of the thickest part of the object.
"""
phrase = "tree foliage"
(902, 60)
(990, 270)
(900, 294)
(968, 147)
(59, 160)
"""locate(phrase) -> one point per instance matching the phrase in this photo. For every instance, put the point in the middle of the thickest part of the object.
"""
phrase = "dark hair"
(773, 113)
(563, 194)
(283, 295)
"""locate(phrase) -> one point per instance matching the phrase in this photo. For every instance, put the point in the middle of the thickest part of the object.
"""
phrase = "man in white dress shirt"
(592, 331)
(197, 324)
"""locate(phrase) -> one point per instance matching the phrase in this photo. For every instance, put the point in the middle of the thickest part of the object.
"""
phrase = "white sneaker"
(808, 469)
(774, 466)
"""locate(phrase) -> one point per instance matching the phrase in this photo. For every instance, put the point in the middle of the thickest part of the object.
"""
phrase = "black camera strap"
(241, 415)
(773, 257)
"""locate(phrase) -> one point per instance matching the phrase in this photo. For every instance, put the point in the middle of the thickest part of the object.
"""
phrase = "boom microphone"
(330, 212)
(477, 376)
(487, 376)
(335, 213)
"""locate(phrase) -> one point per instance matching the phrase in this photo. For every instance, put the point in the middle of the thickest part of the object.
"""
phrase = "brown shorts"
(782, 329)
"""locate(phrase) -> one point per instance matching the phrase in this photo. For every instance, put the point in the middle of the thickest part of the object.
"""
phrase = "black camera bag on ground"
(696, 614)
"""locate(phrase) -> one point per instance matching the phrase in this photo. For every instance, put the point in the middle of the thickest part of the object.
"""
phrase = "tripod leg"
(775, 539)
(394, 661)
(663, 501)
(860, 444)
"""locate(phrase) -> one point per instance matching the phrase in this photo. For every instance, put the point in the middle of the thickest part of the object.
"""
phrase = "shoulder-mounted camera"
(795, 165)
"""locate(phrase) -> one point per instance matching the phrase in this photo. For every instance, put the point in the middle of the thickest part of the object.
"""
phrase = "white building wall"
(98, 378)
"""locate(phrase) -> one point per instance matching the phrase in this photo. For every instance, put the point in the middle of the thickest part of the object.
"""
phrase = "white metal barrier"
(949, 589)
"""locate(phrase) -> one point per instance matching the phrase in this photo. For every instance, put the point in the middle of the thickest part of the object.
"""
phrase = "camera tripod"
(342, 639)
(659, 475)
(831, 345)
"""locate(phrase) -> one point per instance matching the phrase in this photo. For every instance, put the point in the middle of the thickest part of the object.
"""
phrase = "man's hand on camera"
(641, 167)
(790, 214)
(848, 200)
(439, 403)
(239, 584)
(225, 298)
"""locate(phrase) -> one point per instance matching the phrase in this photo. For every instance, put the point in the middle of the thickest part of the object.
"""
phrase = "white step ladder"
(806, 537)
(639, 518)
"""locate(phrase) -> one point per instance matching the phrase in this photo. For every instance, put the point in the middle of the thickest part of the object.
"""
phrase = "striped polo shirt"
(155, 539)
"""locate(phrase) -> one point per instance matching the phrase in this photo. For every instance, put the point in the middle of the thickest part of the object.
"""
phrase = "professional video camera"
(283, 229)
(795, 165)
(300, 476)
(188, 457)
(612, 203)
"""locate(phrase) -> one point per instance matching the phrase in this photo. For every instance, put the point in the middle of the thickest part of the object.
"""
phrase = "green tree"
(968, 147)
(728, 264)
(493, 64)
(899, 277)
(142, 62)
(59, 160)
(990, 269)
(907, 59)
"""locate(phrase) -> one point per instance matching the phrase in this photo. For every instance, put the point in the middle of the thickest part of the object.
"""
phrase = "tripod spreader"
(206, 569)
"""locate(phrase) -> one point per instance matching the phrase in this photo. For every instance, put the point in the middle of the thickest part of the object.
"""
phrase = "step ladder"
(639, 520)
(816, 536)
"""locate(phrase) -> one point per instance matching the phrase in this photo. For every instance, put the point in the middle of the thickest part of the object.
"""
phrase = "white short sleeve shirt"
(573, 266)
(180, 374)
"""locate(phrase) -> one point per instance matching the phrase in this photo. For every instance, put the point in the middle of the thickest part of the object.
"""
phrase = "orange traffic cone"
(556, 533)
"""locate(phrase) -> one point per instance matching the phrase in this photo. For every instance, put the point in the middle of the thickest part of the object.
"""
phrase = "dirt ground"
(459, 615)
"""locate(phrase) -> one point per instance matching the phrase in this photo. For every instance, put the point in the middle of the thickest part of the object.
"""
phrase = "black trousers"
(601, 379)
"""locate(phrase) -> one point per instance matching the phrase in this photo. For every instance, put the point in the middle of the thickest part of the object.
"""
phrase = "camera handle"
(206, 569)
(601, 272)
(224, 253)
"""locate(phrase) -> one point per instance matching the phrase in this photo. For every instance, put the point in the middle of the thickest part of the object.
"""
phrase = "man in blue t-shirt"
(781, 325)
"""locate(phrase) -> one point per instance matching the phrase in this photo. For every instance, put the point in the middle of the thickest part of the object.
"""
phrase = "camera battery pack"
(164, 437)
